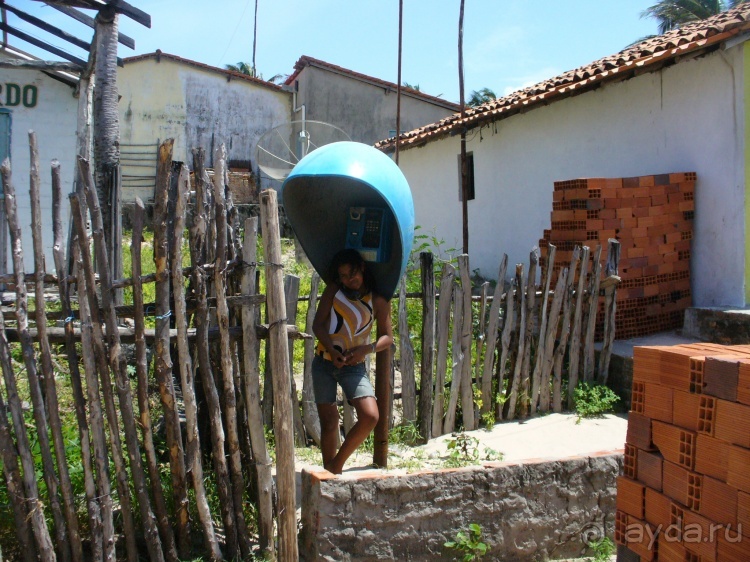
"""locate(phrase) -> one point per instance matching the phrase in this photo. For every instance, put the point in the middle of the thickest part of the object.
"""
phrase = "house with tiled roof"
(166, 96)
(675, 103)
(362, 106)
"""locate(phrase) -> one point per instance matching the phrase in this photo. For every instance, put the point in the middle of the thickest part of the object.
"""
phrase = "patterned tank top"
(350, 323)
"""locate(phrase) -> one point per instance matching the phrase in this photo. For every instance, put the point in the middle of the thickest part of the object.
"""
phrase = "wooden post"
(98, 437)
(384, 396)
(505, 339)
(141, 371)
(467, 389)
(406, 360)
(227, 372)
(442, 333)
(187, 381)
(283, 421)
(309, 407)
(564, 331)
(118, 364)
(449, 423)
(198, 251)
(428, 345)
(481, 342)
(162, 358)
(491, 337)
(575, 331)
(27, 345)
(593, 302)
(524, 395)
(87, 291)
(549, 344)
(517, 370)
(610, 307)
(291, 294)
(45, 352)
(58, 252)
(252, 392)
(541, 348)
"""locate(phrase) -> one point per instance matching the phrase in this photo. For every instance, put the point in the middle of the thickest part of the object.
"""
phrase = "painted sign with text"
(15, 95)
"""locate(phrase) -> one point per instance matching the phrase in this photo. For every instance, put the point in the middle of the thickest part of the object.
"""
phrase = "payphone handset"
(368, 231)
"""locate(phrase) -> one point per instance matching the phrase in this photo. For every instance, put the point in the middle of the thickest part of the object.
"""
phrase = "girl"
(343, 322)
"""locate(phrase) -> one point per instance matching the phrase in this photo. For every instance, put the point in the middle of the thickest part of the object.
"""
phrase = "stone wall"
(527, 511)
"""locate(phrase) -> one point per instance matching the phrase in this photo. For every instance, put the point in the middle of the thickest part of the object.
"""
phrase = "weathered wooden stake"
(609, 284)
(443, 332)
(283, 420)
(593, 308)
(517, 370)
(541, 354)
(491, 337)
(428, 346)
(406, 360)
(449, 423)
(309, 408)
(505, 339)
(564, 332)
(549, 343)
(467, 389)
(575, 331)
(27, 345)
(250, 348)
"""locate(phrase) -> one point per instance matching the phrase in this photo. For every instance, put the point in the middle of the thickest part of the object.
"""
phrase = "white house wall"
(53, 119)
(686, 118)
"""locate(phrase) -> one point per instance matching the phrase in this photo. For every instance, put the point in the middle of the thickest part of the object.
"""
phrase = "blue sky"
(508, 44)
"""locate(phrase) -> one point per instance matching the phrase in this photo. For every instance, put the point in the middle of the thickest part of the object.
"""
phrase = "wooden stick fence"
(502, 356)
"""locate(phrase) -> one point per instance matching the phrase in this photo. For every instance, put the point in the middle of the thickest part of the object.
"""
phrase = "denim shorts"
(352, 378)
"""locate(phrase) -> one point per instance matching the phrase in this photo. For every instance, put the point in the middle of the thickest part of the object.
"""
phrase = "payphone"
(368, 231)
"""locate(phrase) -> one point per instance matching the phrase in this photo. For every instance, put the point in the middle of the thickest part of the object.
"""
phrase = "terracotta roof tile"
(652, 53)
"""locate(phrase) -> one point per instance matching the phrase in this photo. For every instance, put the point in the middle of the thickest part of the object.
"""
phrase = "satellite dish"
(280, 148)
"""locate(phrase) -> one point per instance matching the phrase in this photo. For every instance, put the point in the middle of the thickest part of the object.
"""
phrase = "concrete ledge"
(531, 510)
(726, 326)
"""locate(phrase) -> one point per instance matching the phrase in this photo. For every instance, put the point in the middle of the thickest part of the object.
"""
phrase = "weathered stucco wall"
(686, 118)
(529, 511)
(366, 112)
(197, 107)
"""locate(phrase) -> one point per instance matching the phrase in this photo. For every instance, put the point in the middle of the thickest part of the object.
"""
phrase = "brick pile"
(684, 494)
(652, 218)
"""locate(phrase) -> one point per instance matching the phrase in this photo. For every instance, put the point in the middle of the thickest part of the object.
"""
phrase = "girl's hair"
(354, 259)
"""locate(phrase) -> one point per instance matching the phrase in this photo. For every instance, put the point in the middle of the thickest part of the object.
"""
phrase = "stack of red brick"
(652, 218)
(685, 490)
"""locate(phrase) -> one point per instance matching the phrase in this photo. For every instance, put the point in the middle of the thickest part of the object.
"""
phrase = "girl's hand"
(338, 358)
(357, 354)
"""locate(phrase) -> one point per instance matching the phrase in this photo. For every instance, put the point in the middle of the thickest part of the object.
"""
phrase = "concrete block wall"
(534, 510)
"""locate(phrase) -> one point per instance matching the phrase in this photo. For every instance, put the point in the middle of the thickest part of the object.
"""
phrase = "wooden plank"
(89, 21)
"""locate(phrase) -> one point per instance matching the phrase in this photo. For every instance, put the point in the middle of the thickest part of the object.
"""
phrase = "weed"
(603, 549)
(468, 544)
(463, 450)
(593, 400)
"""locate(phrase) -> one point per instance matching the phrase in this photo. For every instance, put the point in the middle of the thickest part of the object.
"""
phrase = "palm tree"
(478, 97)
(672, 14)
(242, 68)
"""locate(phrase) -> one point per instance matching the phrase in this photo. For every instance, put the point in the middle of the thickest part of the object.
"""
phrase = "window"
(469, 176)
